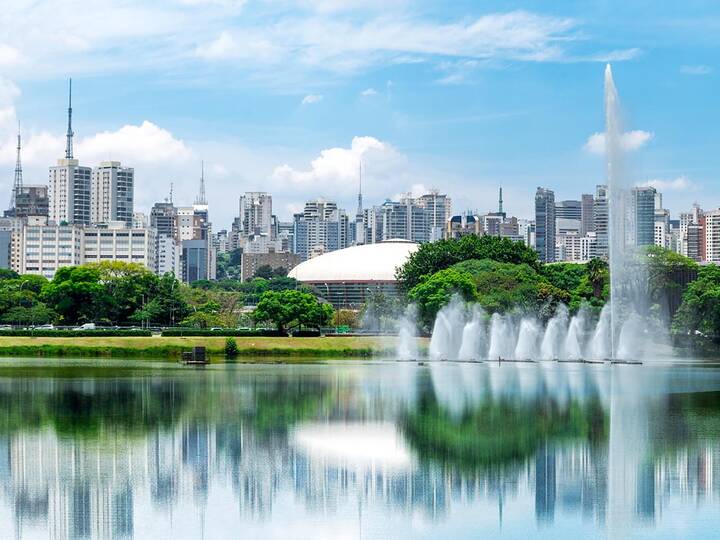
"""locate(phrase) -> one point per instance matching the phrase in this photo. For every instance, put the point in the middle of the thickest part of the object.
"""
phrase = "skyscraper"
(568, 210)
(545, 224)
(601, 220)
(69, 184)
(587, 213)
(643, 215)
(111, 196)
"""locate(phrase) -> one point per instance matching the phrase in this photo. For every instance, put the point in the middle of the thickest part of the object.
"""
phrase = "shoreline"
(172, 347)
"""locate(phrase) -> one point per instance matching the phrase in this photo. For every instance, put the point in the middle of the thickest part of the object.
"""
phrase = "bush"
(76, 333)
(202, 332)
(231, 348)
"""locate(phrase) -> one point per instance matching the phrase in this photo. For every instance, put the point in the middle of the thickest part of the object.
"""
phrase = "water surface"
(358, 450)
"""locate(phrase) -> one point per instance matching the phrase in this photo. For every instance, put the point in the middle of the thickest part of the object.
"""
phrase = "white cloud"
(681, 183)
(368, 92)
(146, 143)
(696, 70)
(229, 47)
(310, 99)
(618, 55)
(335, 171)
(220, 3)
(9, 56)
(631, 141)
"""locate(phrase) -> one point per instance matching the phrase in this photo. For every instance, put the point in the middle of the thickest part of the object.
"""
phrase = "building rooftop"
(364, 263)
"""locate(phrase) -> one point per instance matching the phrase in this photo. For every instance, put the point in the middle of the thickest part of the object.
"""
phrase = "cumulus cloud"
(146, 143)
(681, 183)
(696, 70)
(311, 99)
(334, 168)
(631, 141)
(368, 92)
(9, 56)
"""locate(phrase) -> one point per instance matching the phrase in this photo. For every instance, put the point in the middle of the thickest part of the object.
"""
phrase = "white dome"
(364, 263)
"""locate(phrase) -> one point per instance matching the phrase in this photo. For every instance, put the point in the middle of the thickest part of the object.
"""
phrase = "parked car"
(86, 326)
(45, 327)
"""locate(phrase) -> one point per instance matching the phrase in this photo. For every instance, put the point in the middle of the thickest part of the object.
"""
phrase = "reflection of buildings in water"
(91, 488)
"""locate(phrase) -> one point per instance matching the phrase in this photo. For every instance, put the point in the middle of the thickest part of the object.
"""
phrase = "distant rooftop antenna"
(17, 183)
(201, 195)
(69, 143)
(171, 192)
(500, 203)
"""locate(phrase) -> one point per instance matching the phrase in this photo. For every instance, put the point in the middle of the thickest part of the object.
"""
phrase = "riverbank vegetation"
(172, 347)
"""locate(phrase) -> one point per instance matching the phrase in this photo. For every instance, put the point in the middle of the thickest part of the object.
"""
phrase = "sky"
(290, 96)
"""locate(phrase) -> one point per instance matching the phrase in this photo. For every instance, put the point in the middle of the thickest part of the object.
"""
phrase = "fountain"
(407, 348)
(467, 333)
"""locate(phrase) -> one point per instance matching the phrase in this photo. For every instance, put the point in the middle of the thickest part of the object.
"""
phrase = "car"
(86, 326)
(45, 327)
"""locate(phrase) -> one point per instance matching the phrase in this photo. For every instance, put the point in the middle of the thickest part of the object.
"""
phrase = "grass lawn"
(171, 347)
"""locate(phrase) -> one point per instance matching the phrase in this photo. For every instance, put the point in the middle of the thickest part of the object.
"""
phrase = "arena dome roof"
(364, 263)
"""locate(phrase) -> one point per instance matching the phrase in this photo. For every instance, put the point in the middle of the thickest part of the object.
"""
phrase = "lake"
(352, 449)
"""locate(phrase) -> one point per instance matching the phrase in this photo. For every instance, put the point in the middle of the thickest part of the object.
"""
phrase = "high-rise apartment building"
(601, 220)
(255, 213)
(111, 196)
(322, 227)
(438, 209)
(545, 224)
(711, 221)
(69, 193)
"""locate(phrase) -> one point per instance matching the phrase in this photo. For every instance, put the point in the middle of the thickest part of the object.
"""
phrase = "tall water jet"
(502, 343)
(474, 341)
(447, 331)
(407, 348)
(600, 346)
(554, 339)
(575, 339)
(627, 274)
(528, 338)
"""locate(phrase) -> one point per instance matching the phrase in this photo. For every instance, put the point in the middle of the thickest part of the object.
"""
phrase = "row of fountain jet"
(468, 333)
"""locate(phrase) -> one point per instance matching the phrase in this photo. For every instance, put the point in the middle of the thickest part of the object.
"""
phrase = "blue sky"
(288, 96)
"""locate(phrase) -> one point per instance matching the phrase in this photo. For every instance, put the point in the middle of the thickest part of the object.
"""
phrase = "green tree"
(129, 286)
(435, 256)
(700, 308)
(264, 271)
(433, 292)
(291, 309)
(36, 314)
(77, 295)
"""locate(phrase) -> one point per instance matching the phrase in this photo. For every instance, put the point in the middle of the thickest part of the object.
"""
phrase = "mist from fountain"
(553, 343)
(474, 339)
(463, 332)
(407, 346)
(575, 339)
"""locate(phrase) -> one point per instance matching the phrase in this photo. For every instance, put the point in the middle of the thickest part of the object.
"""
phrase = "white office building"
(117, 243)
(46, 248)
(168, 256)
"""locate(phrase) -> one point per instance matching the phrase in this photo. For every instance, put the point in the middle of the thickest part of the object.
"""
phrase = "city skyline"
(464, 115)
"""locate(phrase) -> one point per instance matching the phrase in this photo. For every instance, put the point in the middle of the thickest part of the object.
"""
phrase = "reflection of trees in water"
(89, 409)
(498, 432)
